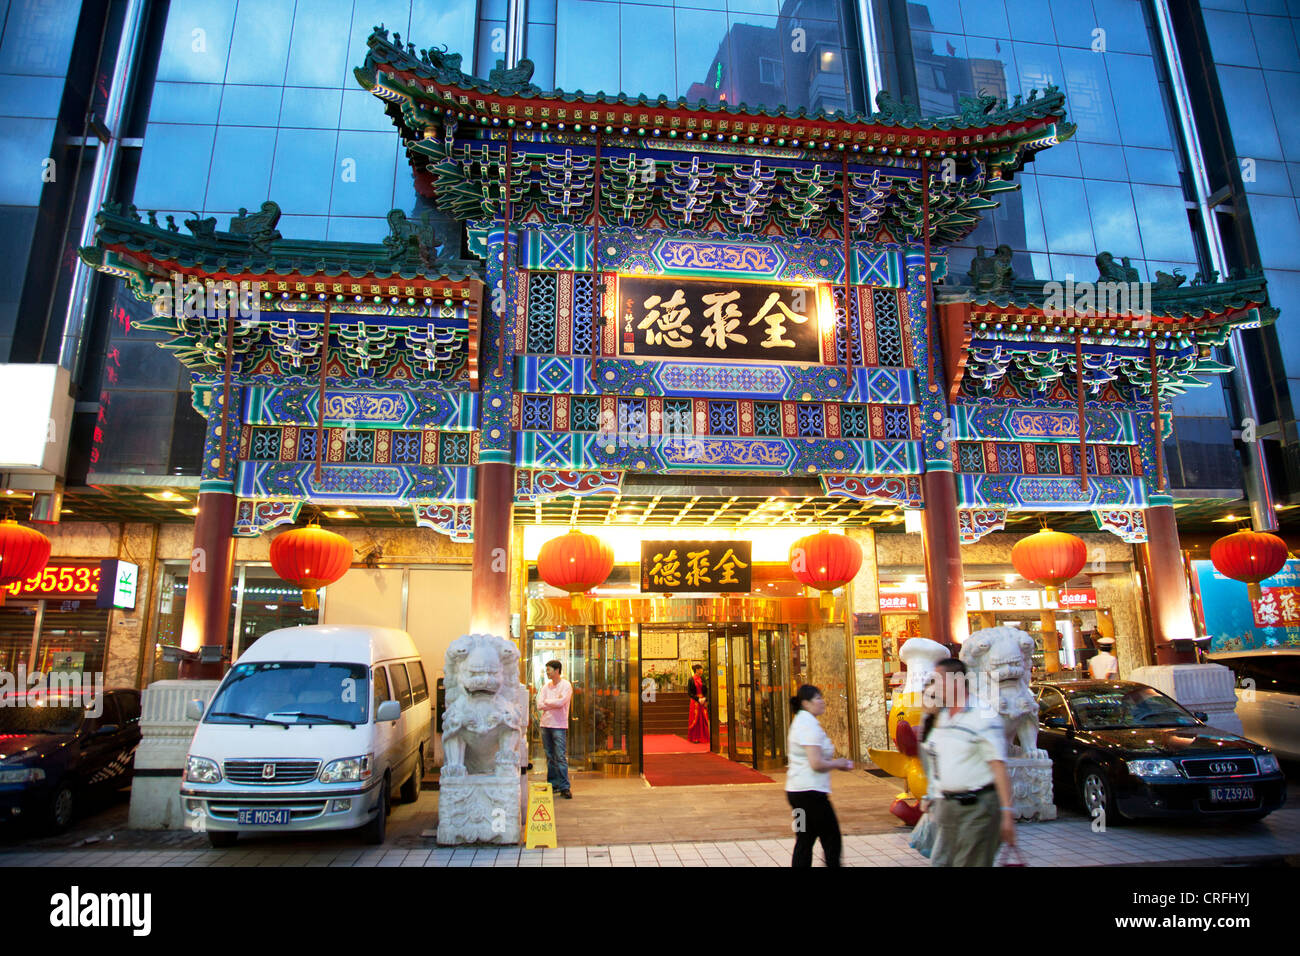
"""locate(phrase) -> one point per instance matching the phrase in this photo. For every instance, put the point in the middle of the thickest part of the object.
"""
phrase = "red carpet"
(693, 770)
(670, 744)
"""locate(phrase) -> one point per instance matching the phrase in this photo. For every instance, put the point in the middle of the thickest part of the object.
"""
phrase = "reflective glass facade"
(239, 101)
(256, 100)
(1257, 65)
(36, 40)
(774, 53)
(1117, 184)
(1120, 184)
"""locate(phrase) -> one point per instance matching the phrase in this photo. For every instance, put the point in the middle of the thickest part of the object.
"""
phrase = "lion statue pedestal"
(479, 792)
(1000, 661)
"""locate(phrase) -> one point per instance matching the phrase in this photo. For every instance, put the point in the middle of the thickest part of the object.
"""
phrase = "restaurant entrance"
(745, 671)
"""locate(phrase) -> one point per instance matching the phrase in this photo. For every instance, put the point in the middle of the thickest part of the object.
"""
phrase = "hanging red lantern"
(311, 558)
(1049, 557)
(1249, 556)
(575, 562)
(825, 561)
(23, 552)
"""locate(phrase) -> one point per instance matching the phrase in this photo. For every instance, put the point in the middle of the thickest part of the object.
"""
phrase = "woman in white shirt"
(808, 779)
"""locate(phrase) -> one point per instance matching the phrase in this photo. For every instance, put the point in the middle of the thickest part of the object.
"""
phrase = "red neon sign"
(58, 581)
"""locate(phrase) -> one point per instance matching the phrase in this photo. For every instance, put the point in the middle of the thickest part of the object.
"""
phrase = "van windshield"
(292, 692)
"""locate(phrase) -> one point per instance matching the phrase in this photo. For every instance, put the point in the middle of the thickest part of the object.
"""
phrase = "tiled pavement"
(1065, 842)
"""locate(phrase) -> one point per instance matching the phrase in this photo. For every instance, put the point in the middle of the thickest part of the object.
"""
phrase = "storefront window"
(68, 636)
(268, 604)
(74, 636)
(996, 596)
(260, 602)
(17, 626)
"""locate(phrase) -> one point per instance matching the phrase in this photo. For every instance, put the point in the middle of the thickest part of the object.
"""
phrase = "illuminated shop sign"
(119, 580)
(1075, 599)
(669, 317)
(899, 602)
(685, 567)
(1277, 607)
(57, 581)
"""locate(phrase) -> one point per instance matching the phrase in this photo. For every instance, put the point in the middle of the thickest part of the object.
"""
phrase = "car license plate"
(1232, 794)
(263, 817)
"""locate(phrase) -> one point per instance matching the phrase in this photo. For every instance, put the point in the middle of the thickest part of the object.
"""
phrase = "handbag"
(1010, 856)
(923, 834)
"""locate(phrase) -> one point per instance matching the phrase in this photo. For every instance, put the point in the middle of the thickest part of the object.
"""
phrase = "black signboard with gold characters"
(685, 567)
(667, 317)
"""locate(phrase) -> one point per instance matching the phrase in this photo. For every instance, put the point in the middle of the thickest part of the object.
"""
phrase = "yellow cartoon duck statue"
(920, 655)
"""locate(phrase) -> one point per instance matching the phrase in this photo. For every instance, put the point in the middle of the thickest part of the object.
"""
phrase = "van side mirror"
(194, 710)
(388, 712)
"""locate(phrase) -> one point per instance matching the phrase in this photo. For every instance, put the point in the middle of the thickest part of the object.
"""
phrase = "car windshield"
(292, 692)
(1124, 708)
(39, 719)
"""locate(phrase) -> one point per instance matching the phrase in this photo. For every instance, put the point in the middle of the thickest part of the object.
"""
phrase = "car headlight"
(1268, 764)
(201, 770)
(22, 775)
(347, 769)
(1153, 768)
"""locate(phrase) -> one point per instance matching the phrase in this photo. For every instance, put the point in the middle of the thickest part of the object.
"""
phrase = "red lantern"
(1049, 557)
(23, 552)
(1250, 556)
(575, 562)
(311, 558)
(825, 562)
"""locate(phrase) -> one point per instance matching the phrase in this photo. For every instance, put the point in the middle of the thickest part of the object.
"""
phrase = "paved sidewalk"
(1066, 842)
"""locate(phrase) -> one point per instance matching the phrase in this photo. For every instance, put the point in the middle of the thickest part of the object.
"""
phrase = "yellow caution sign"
(541, 817)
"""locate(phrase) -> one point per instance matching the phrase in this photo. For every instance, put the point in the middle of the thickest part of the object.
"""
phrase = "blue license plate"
(257, 818)
(1232, 794)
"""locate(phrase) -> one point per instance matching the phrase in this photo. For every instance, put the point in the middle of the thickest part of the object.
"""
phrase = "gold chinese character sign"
(695, 567)
(669, 317)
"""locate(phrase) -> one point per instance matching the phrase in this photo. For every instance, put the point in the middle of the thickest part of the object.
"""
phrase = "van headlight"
(22, 775)
(201, 770)
(1153, 768)
(347, 770)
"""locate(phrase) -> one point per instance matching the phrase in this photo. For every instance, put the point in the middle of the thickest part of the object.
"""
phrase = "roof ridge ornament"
(992, 274)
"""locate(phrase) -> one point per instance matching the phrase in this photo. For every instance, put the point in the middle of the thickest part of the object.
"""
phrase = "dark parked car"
(1130, 750)
(54, 750)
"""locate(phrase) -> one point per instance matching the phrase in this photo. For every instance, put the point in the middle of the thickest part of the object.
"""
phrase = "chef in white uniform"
(1104, 666)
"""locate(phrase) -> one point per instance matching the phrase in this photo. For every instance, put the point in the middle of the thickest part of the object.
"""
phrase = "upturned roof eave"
(224, 257)
(491, 104)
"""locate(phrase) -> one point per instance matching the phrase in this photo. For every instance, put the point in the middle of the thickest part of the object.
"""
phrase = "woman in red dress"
(698, 732)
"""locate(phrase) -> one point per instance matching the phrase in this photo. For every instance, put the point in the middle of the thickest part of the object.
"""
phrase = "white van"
(313, 728)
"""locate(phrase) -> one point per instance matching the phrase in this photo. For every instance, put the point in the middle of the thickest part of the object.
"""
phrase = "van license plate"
(263, 817)
(1232, 794)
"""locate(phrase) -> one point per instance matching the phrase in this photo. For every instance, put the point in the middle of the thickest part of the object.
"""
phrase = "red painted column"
(212, 562)
(489, 610)
(944, 581)
(1167, 598)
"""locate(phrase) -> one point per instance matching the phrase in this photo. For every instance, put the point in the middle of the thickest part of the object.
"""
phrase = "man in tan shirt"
(964, 751)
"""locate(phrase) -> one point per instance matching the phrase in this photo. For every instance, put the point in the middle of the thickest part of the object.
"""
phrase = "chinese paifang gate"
(663, 323)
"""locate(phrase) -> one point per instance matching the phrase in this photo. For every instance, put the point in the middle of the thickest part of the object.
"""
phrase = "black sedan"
(56, 749)
(1129, 751)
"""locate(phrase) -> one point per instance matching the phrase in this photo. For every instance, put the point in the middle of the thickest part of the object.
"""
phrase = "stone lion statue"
(483, 722)
(1000, 661)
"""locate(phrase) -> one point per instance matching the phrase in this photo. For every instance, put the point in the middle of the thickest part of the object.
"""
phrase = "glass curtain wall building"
(233, 102)
(1121, 184)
